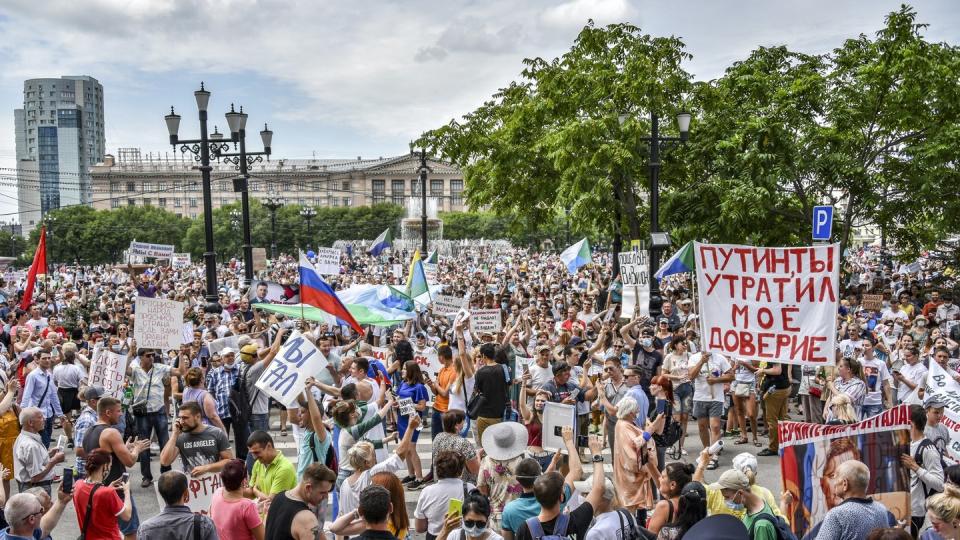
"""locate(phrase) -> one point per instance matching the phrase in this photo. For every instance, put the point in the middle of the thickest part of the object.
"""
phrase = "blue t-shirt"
(416, 393)
(305, 458)
(523, 508)
(5, 535)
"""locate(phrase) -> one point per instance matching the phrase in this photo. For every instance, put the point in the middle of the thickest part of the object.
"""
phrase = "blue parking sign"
(822, 223)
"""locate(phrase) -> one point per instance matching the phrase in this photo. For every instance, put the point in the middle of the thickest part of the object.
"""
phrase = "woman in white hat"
(504, 444)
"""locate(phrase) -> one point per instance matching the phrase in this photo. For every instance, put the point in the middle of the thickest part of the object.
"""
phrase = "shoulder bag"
(89, 514)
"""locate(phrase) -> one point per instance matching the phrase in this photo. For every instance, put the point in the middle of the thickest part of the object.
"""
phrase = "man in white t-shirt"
(709, 372)
(911, 375)
(879, 382)
(541, 372)
(852, 347)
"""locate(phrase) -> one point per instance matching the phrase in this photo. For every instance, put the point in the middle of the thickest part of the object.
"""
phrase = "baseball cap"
(574, 341)
(560, 367)
(93, 392)
(733, 479)
(933, 402)
(227, 350)
(543, 348)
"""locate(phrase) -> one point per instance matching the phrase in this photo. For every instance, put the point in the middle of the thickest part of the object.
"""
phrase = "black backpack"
(240, 403)
(918, 457)
(783, 530)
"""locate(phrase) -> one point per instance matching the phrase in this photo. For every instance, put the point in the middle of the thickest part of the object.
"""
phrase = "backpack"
(330, 460)
(918, 457)
(559, 528)
(783, 530)
(240, 403)
(628, 525)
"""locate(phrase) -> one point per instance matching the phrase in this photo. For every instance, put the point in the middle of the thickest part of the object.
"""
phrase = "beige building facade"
(130, 178)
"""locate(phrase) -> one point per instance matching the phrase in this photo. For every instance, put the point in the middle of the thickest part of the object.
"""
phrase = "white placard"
(430, 271)
(428, 361)
(108, 370)
(200, 492)
(186, 333)
(485, 320)
(217, 345)
(397, 271)
(406, 406)
(142, 249)
(297, 360)
(635, 278)
(180, 260)
(523, 364)
(328, 261)
(158, 323)
(381, 354)
(447, 305)
(940, 383)
(775, 304)
(555, 416)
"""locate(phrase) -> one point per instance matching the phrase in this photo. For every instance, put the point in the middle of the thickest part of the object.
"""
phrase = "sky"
(364, 78)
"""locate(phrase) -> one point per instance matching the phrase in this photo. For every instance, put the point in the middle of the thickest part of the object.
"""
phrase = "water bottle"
(715, 448)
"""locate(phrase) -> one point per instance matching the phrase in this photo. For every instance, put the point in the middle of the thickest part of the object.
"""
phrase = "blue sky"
(363, 78)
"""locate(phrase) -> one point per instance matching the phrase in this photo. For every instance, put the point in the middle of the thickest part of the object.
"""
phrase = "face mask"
(920, 324)
(474, 532)
(504, 305)
(647, 342)
(736, 507)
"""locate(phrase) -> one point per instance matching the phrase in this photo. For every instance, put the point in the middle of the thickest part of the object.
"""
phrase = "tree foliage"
(871, 127)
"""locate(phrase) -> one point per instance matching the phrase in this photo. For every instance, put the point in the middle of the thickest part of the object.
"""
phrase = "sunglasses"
(474, 523)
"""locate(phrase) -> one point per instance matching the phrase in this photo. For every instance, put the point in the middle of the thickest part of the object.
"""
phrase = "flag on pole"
(681, 261)
(382, 242)
(432, 258)
(39, 266)
(417, 277)
(315, 292)
(576, 255)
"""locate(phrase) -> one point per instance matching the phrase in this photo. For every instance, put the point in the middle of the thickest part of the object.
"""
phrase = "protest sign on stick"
(143, 249)
(159, 323)
(108, 370)
(186, 333)
(217, 345)
(775, 304)
(447, 305)
(811, 453)
(485, 320)
(635, 278)
(328, 261)
(941, 385)
(873, 302)
(285, 379)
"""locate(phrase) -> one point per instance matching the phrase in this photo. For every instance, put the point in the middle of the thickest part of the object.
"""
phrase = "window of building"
(415, 187)
(131, 187)
(436, 188)
(115, 203)
(379, 192)
(456, 193)
(193, 203)
(396, 191)
(146, 201)
(162, 203)
(131, 202)
(346, 185)
(336, 201)
(346, 201)
(176, 202)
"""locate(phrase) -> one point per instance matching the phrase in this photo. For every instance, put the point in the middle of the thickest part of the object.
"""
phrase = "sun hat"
(504, 441)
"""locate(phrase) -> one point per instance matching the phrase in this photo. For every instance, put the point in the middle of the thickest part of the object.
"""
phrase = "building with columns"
(174, 184)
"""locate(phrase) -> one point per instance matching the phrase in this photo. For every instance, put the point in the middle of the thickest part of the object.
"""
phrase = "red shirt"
(106, 506)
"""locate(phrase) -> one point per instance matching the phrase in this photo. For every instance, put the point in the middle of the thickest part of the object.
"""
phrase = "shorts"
(707, 409)
(684, 395)
(69, 399)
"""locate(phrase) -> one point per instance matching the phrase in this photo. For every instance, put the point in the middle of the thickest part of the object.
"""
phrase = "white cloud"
(574, 13)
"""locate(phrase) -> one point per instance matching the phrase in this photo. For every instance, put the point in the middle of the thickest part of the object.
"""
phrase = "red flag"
(39, 265)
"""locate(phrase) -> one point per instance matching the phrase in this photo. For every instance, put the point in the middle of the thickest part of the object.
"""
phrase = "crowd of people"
(622, 468)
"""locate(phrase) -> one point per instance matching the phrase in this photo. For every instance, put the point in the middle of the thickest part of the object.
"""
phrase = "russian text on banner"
(107, 370)
(328, 261)
(485, 320)
(635, 278)
(143, 249)
(297, 360)
(775, 304)
(942, 385)
(811, 453)
(200, 490)
(159, 323)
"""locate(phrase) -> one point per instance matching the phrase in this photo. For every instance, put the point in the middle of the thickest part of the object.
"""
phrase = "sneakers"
(416, 484)
(407, 479)
(767, 452)
(145, 483)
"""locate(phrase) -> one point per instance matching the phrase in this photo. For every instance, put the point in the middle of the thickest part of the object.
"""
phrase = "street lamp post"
(273, 203)
(659, 240)
(237, 122)
(308, 214)
(423, 169)
(201, 148)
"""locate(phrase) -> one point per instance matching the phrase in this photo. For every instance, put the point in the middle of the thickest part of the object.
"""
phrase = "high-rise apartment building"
(60, 135)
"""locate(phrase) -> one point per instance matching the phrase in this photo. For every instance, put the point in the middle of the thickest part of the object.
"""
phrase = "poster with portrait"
(811, 453)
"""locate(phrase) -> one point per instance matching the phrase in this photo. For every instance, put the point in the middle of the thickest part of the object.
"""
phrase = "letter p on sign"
(822, 223)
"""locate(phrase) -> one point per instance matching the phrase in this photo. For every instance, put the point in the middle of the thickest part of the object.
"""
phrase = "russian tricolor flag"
(315, 292)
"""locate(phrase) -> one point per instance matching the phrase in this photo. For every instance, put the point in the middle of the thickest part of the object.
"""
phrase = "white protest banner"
(328, 261)
(180, 260)
(186, 333)
(297, 360)
(635, 277)
(941, 384)
(381, 354)
(428, 361)
(447, 305)
(485, 320)
(142, 249)
(259, 259)
(159, 323)
(776, 304)
(430, 271)
(108, 370)
(217, 345)
(555, 416)
(522, 364)
(397, 271)
(200, 490)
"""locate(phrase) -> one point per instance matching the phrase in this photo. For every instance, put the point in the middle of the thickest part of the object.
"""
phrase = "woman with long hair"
(691, 508)
(676, 367)
(841, 411)
(398, 522)
(450, 439)
(196, 391)
(105, 502)
(849, 382)
(743, 390)
(674, 477)
(412, 389)
(353, 428)
(533, 420)
(235, 516)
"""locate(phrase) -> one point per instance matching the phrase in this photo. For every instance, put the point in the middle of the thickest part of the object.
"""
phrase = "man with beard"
(203, 449)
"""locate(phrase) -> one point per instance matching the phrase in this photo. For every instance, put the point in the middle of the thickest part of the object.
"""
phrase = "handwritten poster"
(200, 490)
(158, 324)
(108, 370)
(297, 360)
